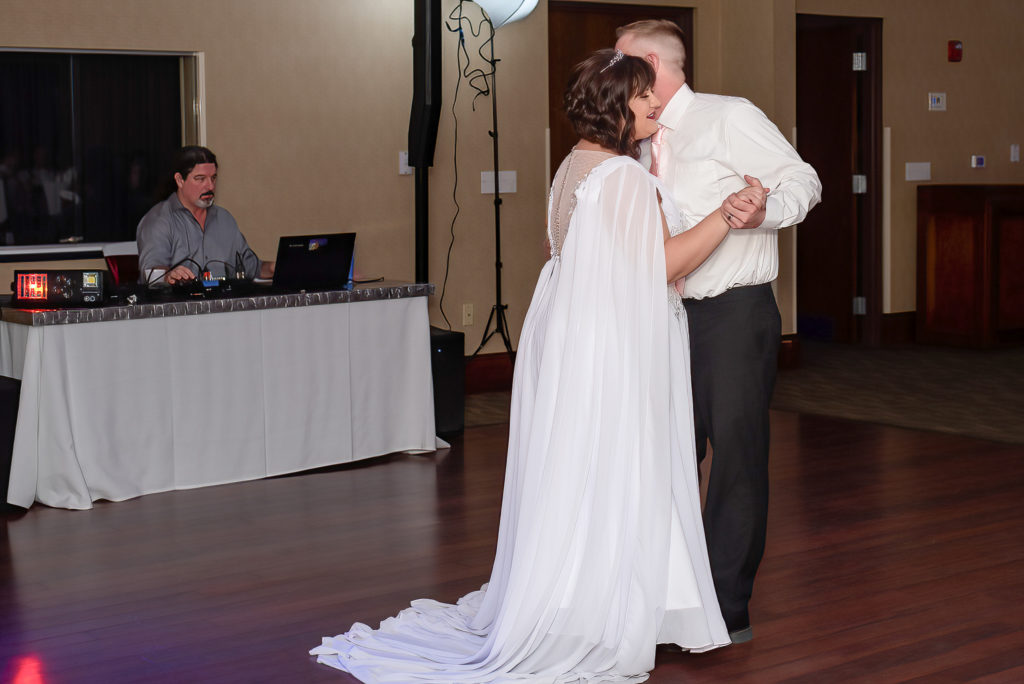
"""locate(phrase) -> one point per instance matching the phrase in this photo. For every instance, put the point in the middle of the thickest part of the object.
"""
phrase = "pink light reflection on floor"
(28, 670)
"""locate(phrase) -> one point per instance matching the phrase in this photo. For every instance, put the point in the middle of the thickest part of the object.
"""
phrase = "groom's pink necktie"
(655, 159)
(656, 149)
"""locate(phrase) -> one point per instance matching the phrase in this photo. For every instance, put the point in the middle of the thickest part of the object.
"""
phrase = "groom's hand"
(746, 208)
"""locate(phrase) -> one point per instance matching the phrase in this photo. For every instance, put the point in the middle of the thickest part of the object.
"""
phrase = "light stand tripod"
(497, 315)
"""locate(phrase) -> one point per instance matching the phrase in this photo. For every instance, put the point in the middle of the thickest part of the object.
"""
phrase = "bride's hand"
(746, 208)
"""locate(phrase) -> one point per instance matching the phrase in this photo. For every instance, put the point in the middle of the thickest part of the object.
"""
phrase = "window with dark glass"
(87, 142)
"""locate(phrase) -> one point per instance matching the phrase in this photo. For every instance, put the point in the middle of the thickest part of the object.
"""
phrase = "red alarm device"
(956, 50)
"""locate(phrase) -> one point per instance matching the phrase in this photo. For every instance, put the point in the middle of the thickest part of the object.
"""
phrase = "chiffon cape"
(601, 551)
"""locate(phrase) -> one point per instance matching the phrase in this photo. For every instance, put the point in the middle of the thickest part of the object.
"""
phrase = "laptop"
(314, 262)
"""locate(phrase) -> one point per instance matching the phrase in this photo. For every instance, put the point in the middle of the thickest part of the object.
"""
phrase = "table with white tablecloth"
(130, 400)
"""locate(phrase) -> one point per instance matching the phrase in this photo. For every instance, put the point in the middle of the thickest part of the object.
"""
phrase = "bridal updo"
(597, 98)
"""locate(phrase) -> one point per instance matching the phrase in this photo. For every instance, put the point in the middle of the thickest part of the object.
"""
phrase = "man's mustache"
(206, 194)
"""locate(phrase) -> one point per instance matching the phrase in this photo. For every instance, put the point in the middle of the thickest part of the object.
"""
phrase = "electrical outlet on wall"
(467, 314)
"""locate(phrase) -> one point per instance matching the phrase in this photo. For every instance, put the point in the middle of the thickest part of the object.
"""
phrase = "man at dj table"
(186, 236)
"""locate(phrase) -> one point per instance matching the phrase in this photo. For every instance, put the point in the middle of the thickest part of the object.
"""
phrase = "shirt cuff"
(773, 213)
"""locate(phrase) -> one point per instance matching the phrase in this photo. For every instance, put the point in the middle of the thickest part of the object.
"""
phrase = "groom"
(706, 143)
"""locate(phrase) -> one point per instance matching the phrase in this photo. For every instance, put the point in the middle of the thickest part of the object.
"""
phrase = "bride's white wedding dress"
(601, 551)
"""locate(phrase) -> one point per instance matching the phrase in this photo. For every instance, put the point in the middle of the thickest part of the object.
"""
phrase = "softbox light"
(504, 12)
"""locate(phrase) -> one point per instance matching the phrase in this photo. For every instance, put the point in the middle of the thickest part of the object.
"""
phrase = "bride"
(601, 552)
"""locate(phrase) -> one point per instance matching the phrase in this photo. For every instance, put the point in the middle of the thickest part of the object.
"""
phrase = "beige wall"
(985, 104)
(307, 106)
(522, 85)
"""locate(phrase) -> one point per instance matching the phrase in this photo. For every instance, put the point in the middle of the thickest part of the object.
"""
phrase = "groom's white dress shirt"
(709, 143)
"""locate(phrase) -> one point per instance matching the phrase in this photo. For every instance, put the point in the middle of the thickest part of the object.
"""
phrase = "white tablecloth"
(113, 410)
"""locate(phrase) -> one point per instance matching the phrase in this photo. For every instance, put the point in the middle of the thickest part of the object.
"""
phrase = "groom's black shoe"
(741, 636)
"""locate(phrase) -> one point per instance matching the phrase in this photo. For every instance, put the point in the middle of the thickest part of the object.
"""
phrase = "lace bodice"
(572, 172)
(562, 203)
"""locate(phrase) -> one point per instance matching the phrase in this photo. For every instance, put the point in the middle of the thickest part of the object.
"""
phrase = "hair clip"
(619, 54)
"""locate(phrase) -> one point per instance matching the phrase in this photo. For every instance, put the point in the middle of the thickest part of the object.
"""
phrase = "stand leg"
(497, 316)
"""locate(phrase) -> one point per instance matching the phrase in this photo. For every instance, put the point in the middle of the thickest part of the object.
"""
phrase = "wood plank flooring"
(893, 555)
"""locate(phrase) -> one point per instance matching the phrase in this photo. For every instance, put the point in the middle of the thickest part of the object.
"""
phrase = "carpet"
(970, 392)
(975, 393)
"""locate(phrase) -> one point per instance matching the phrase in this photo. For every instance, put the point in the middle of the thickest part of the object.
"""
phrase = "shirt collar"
(672, 113)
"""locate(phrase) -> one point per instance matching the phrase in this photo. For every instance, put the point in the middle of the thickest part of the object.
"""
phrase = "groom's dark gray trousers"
(734, 346)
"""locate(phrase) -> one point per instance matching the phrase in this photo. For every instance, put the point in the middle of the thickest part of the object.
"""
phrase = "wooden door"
(839, 134)
(576, 29)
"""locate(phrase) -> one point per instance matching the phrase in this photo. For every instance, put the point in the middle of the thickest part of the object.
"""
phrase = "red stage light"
(31, 286)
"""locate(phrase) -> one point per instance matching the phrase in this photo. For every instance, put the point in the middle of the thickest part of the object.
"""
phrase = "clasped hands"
(746, 208)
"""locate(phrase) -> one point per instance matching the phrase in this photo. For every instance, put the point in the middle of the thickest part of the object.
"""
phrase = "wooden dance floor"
(893, 555)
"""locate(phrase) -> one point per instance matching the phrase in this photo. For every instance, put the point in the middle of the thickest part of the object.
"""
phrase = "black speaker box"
(10, 391)
(426, 82)
(448, 364)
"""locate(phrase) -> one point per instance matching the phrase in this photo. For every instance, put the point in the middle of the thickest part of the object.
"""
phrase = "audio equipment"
(426, 110)
(10, 393)
(57, 288)
(448, 365)
(426, 82)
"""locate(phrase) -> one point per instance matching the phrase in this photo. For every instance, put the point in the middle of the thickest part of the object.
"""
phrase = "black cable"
(150, 281)
(259, 262)
(471, 76)
(227, 269)
(188, 246)
(489, 60)
(196, 263)
(455, 156)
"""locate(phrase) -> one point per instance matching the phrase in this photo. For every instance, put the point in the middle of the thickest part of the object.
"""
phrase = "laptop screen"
(314, 262)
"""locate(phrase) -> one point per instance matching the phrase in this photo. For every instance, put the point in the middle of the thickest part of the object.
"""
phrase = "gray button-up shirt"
(169, 235)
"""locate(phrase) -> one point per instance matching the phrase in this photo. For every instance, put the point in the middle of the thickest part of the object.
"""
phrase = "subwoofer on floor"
(10, 391)
(448, 364)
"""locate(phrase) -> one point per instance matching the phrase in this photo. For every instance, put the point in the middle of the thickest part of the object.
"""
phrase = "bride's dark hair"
(597, 99)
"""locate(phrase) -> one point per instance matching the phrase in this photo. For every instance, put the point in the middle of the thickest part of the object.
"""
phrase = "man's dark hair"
(192, 155)
(597, 99)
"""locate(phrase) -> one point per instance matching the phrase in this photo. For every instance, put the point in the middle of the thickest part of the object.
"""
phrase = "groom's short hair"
(666, 34)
